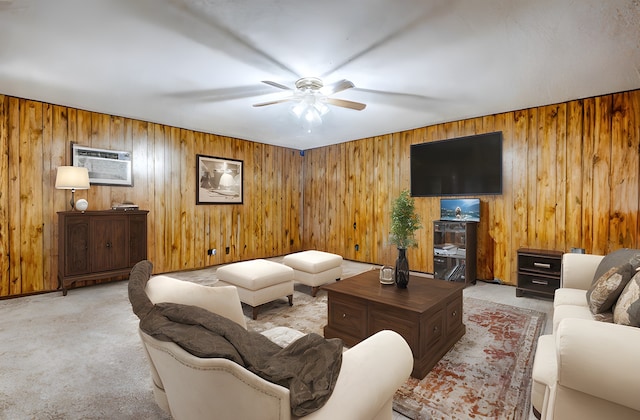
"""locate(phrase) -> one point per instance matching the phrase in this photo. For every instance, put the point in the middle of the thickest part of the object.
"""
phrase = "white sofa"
(191, 388)
(586, 369)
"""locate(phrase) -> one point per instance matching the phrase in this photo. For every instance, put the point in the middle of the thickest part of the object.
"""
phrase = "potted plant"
(404, 222)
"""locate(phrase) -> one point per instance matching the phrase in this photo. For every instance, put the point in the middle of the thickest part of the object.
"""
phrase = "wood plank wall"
(570, 180)
(35, 138)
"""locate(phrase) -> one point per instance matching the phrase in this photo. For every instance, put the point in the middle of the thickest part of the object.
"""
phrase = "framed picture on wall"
(106, 167)
(218, 180)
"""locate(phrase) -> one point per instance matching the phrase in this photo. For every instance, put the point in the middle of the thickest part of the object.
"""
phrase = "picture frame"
(106, 167)
(219, 180)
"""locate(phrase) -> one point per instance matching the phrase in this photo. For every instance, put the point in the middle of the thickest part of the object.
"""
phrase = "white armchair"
(189, 387)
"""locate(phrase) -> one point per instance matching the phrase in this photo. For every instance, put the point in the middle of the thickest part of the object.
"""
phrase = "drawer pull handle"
(541, 265)
(344, 315)
(435, 329)
(541, 282)
(454, 313)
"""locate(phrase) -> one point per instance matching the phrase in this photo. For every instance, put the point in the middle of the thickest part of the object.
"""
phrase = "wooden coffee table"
(428, 314)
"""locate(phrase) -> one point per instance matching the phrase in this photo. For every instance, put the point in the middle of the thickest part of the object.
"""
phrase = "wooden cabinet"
(538, 271)
(455, 251)
(96, 245)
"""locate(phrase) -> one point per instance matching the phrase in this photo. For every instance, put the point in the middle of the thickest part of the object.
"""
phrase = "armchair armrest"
(578, 270)
(371, 373)
(599, 359)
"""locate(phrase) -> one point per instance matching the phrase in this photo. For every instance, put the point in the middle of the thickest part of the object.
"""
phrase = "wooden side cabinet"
(97, 245)
(538, 272)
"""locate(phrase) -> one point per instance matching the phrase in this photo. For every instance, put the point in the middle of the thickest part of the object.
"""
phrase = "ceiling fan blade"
(346, 104)
(277, 85)
(339, 87)
(277, 101)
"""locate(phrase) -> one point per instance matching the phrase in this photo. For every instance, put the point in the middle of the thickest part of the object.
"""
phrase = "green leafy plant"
(404, 221)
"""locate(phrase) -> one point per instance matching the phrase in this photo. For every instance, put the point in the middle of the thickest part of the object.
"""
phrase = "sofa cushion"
(605, 291)
(568, 296)
(616, 259)
(627, 309)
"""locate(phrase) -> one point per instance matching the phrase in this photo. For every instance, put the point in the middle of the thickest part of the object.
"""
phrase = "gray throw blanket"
(308, 367)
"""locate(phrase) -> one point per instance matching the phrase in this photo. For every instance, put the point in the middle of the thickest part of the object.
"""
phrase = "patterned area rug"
(486, 375)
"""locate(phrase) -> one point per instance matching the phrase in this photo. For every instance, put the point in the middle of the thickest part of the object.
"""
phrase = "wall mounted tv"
(462, 166)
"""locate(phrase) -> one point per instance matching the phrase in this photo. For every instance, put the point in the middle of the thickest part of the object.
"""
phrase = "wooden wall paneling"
(267, 187)
(31, 196)
(588, 156)
(188, 245)
(200, 223)
(359, 204)
(381, 199)
(546, 172)
(532, 178)
(633, 126)
(560, 243)
(48, 182)
(159, 213)
(172, 192)
(504, 255)
(368, 188)
(602, 175)
(350, 155)
(313, 199)
(334, 200)
(255, 190)
(623, 223)
(4, 196)
(15, 128)
(519, 214)
(573, 195)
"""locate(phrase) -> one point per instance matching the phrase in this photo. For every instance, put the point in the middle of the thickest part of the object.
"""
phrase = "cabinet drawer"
(539, 283)
(539, 264)
(348, 316)
(433, 331)
(402, 322)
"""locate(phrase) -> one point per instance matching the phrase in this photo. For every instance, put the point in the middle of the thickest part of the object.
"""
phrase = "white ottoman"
(258, 281)
(314, 268)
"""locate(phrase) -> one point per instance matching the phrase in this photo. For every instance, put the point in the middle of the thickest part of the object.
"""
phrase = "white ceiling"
(199, 64)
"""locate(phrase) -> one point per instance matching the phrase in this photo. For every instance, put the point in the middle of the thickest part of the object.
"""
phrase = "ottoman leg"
(290, 300)
(255, 312)
(314, 290)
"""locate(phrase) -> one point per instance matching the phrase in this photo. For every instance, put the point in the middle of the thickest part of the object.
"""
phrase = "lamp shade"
(72, 178)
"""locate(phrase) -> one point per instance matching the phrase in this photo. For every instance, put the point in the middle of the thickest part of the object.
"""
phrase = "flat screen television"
(469, 165)
(462, 209)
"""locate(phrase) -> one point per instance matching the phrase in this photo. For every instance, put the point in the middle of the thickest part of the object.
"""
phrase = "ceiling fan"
(310, 91)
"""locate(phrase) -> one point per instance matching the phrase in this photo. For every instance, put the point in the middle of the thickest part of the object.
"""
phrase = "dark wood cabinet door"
(76, 246)
(109, 244)
(137, 239)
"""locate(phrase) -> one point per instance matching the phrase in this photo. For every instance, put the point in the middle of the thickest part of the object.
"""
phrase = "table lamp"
(72, 178)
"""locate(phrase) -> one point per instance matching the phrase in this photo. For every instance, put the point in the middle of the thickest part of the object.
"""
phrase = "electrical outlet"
(211, 251)
(226, 250)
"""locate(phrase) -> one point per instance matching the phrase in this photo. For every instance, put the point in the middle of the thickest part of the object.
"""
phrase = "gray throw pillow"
(605, 291)
(616, 259)
(627, 309)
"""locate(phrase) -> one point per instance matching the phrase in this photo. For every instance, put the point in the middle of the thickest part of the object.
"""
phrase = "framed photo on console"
(218, 180)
